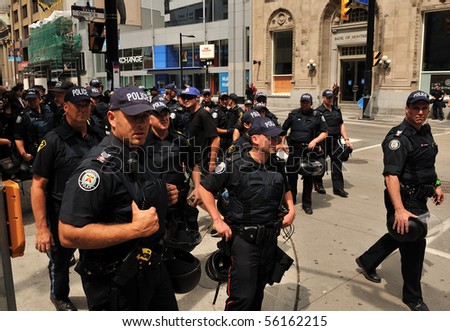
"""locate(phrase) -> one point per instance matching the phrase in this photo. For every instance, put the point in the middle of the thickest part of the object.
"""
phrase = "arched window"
(357, 15)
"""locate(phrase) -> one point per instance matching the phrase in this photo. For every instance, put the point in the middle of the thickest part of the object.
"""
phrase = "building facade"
(412, 36)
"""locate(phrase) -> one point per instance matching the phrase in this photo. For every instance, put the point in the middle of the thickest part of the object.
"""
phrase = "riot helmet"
(184, 269)
(345, 151)
(217, 266)
(417, 228)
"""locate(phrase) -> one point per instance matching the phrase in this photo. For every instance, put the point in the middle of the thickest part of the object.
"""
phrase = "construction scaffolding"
(53, 46)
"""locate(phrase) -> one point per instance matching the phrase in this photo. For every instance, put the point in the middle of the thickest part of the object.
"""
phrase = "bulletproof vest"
(258, 195)
(40, 124)
(333, 119)
(179, 119)
(303, 128)
(74, 150)
(422, 151)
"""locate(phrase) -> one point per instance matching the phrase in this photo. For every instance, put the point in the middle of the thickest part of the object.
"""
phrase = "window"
(16, 16)
(35, 7)
(437, 41)
(354, 50)
(282, 52)
(26, 32)
(223, 53)
(357, 15)
(17, 34)
(24, 11)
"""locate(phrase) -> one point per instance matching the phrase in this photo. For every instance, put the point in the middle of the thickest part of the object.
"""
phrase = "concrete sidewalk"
(324, 276)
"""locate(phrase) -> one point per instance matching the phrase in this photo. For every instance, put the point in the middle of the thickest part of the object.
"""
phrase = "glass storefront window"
(437, 41)
(282, 52)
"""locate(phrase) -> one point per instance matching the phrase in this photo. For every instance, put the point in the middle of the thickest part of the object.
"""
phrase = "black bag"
(282, 264)
(9, 166)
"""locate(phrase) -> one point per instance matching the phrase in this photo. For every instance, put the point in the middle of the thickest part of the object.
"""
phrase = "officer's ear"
(111, 118)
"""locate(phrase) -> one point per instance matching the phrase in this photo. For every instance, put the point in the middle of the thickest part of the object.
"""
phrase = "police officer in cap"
(261, 97)
(307, 130)
(410, 178)
(257, 186)
(243, 144)
(179, 116)
(58, 155)
(31, 126)
(336, 130)
(114, 211)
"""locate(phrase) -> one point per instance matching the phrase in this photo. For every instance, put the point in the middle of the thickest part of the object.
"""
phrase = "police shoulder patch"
(214, 115)
(19, 119)
(220, 168)
(173, 115)
(394, 145)
(88, 180)
(42, 145)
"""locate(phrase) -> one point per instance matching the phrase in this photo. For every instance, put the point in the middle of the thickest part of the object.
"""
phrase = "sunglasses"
(188, 97)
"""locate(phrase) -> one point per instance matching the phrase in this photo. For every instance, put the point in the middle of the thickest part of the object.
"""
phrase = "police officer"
(307, 130)
(31, 126)
(437, 97)
(58, 155)
(410, 178)
(179, 117)
(219, 112)
(228, 123)
(257, 186)
(58, 92)
(99, 110)
(171, 156)
(170, 95)
(336, 130)
(114, 211)
(261, 97)
(207, 102)
(243, 144)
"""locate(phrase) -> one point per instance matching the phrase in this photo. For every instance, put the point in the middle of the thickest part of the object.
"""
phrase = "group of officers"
(117, 195)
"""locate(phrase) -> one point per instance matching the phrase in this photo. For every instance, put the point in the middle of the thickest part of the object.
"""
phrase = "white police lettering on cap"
(269, 124)
(79, 91)
(159, 104)
(420, 94)
(88, 180)
(136, 96)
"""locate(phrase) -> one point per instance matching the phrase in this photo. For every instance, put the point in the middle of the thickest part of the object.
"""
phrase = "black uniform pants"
(438, 113)
(150, 290)
(292, 171)
(249, 272)
(59, 264)
(412, 253)
(333, 150)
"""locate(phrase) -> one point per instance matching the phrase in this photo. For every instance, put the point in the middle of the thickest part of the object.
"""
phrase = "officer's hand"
(44, 240)
(312, 144)
(27, 157)
(401, 221)
(349, 144)
(438, 197)
(288, 219)
(145, 222)
(193, 198)
(222, 229)
(172, 192)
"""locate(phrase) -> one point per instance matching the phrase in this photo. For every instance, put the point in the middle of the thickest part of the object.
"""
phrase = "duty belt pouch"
(282, 263)
(253, 234)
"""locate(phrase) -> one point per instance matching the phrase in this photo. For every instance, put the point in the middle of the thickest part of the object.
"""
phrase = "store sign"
(350, 38)
(131, 59)
(207, 52)
(223, 82)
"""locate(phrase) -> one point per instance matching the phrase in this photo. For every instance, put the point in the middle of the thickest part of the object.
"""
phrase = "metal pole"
(112, 41)
(181, 61)
(369, 59)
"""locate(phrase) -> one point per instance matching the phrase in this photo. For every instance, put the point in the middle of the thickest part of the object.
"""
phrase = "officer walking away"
(58, 155)
(257, 187)
(114, 211)
(31, 126)
(437, 97)
(336, 130)
(307, 130)
(410, 178)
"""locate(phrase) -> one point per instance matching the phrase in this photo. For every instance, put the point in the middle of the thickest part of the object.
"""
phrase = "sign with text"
(207, 52)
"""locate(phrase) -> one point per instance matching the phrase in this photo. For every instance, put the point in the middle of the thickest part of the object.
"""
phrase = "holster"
(419, 192)
(282, 263)
(257, 233)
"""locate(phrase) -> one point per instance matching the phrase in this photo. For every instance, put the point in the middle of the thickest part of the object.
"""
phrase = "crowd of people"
(120, 176)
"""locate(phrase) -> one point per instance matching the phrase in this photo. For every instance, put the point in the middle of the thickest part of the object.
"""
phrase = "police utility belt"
(256, 233)
(419, 192)
(123, 270)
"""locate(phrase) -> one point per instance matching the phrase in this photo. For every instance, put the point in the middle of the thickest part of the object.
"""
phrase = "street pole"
(181, 61)
(369, 60)
(112, 41)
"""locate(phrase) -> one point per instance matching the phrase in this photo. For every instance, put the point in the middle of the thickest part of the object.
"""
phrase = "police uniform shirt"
(96, 193)
(304, 126)
(59, 153)
(272, 117)
(179, 119)
(5, 151)
(201, 132)
(169, 158)
(334, 120)
(410, 154)
(240, 145)
(32, 126)
(437, 94)
(256, 190)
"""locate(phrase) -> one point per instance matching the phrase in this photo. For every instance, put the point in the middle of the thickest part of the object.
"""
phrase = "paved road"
(324, 245)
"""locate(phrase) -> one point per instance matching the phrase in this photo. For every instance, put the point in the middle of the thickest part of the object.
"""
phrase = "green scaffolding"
(54, 43)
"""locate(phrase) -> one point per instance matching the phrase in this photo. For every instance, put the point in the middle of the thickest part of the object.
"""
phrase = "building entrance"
(352, 80)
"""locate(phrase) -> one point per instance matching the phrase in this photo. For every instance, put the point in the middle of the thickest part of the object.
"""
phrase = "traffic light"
(97, 36)
(346, 6)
